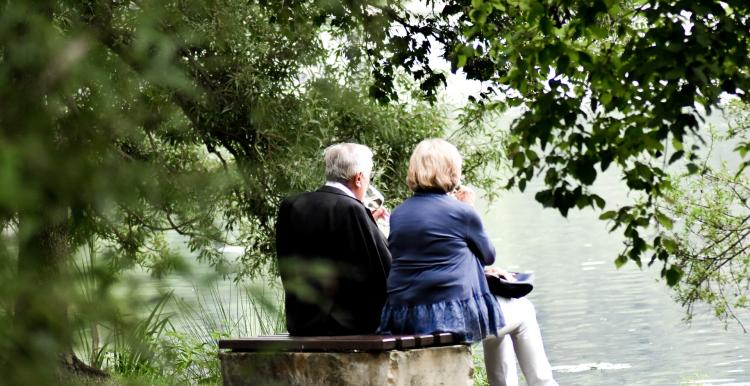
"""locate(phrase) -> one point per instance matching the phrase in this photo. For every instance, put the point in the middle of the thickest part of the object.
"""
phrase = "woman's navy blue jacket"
(439, 247)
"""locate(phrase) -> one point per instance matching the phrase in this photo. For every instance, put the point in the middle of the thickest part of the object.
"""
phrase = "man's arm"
(367, 238)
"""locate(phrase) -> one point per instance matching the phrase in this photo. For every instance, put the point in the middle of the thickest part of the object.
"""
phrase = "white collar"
(341, 187)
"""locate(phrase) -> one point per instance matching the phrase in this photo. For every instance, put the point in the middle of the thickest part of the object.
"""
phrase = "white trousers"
(520, 338)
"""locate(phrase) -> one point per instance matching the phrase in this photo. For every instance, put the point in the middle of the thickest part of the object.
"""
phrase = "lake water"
(601, 325)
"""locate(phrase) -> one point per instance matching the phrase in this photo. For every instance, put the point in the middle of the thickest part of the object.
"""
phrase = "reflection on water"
(601, 325)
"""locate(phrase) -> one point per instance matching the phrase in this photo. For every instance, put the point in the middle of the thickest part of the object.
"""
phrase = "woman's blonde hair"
(435, 164)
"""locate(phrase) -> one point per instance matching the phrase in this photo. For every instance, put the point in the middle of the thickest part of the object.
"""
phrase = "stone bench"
(435, 359)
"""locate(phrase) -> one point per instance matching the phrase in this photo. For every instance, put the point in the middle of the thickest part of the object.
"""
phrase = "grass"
(480, 372)
(128, 380)
(175, 341)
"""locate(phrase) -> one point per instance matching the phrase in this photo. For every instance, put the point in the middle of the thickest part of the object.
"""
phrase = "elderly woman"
(437, 282)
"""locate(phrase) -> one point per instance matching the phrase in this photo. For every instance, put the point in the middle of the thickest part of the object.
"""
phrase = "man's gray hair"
(345, 160)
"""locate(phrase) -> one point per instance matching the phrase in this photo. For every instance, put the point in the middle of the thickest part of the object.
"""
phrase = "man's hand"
(499, 272)
(381, 213)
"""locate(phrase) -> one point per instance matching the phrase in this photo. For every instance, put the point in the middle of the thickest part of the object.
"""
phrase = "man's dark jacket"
(334, 264)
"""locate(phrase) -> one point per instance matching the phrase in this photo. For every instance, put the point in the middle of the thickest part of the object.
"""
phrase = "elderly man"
(333, 259)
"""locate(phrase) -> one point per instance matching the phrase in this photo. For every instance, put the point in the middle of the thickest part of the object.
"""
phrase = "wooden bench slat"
(310, 343)
(425, 340)
(405, 342)
(445, 338)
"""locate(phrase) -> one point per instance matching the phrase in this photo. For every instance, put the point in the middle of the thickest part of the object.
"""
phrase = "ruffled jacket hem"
(473, 319)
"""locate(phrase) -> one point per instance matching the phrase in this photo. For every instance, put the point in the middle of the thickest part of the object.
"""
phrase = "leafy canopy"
(124, 122)
(600, 84)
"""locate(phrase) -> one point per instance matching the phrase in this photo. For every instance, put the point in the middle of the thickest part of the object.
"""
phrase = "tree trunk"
(43, 246)
(41, 310)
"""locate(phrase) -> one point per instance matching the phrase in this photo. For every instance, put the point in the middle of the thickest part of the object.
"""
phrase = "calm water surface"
(601, 325)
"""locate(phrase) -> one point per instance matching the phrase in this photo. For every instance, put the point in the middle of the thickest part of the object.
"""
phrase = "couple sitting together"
(341, 276)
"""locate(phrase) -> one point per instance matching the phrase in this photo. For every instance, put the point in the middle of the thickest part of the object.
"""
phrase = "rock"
(447, 365)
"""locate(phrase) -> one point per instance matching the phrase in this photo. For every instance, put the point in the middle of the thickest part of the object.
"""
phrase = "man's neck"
(341, 187)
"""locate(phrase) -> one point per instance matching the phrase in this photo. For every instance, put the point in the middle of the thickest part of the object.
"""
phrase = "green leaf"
(479, 16)
(698, 71)
(676, 156)
(669, 245)
(608, 215)
(664, 220)
(673, 275)
(598, 32)
(531, 155)
(461, 60)
(677, 144)
(584, 171)
(562, 63)
(598, 201)
(545, 197)
(620, 261)
(499, 5)
(742, 149)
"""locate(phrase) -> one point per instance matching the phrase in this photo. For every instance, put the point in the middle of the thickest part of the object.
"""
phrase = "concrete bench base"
(446, 365)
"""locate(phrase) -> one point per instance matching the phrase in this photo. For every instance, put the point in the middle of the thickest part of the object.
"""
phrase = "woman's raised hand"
(464, 194)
